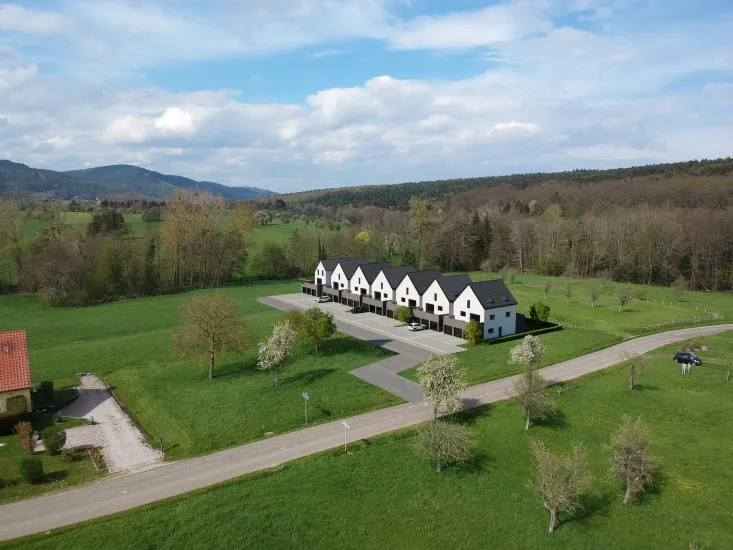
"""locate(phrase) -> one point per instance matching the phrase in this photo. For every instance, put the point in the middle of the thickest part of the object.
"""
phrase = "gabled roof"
(422, 279)
(453, 285)
(395, 275)
(15, 371)
(371, 271)
(330, 265)
(493, 294)
(349, 266)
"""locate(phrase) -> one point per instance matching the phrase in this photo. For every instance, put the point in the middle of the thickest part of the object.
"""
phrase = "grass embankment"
(129, 344)
(383, 496)
(587, 328)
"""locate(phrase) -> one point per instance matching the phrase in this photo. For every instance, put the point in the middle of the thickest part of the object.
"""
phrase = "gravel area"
(123, 446)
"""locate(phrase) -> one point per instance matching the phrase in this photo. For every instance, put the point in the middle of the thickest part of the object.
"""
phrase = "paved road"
(170, 479)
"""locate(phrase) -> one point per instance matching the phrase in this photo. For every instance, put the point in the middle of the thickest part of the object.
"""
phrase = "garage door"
(390, 314)
(458, 333)
(433, 325)
(448, 330)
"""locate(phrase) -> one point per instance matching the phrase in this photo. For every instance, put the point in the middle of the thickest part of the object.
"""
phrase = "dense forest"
(398, 195)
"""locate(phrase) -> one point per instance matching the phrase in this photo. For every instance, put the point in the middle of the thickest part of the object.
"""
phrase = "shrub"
(45, 390)
(539, 311)
(53, 439)
(474, 333)
(18, 404)
(24, 431)
(403, 314)
(31, 469)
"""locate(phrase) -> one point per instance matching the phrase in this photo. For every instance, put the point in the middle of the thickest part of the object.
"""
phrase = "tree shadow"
(337, 346)
(592, 505)
(477, 464)
(471, 412)
(308, 376)
(556, 419)
(53, 477)
(644, 387)
(4, 483)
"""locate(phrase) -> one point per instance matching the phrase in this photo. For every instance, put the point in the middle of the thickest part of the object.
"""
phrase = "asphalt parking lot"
(434, 342)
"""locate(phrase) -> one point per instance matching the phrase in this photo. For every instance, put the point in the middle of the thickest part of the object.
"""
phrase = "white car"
(323, 299)
(414, 327)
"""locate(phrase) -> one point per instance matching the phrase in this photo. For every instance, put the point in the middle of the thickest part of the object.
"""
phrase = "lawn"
(382, 496)
(128, 344)
(587, 328)
(60, 473)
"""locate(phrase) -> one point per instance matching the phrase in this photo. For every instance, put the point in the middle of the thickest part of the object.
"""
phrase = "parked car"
(358, 309)
(323, 299)
(414, 327)
(687, 357)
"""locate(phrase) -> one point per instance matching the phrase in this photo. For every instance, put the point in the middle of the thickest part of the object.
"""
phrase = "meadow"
(128, 343)
(588, 328)
(381, 495)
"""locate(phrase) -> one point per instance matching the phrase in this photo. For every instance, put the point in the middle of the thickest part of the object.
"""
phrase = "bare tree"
(277, 350)
(560, 481)
(679, 286)
(547, 287)
(595, 292)
(212, 327)
(442, 382)
(624, 297)
(24, 432)
(568, 293)
(444, 442)
(530, 388)
(637, 365)
(631, 462)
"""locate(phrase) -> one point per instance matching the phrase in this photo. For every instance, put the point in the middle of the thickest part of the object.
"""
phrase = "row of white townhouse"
(441, 303)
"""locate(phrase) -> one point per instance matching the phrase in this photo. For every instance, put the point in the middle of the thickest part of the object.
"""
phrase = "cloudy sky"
(302, 94)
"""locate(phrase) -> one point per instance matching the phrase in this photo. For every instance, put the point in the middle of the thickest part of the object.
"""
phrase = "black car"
(358, 309)
(687, 357)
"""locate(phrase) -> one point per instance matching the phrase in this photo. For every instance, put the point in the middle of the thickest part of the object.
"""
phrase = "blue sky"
(302, 94)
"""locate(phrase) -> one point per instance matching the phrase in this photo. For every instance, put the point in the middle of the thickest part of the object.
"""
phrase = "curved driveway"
(169, 479)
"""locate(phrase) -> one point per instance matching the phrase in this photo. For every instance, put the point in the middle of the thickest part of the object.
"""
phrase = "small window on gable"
(508, 313)
(435, 296)
(468, 303)
(491, 331)
(463, 313)
(403, 299)
(440, 308)
(492, 317)
(381, 286)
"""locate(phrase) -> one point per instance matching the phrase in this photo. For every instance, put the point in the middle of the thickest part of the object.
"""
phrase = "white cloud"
(16, 78)
(14, 17)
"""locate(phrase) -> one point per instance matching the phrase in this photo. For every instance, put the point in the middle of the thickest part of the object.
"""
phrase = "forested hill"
(108, 181)
(398, 195)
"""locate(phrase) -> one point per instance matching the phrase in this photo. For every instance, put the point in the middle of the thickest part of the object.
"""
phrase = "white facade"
(406, 292)
(323, 274)
(498, 321)
(339, 279)
(360, 284)
(381, 285)
(435, 296)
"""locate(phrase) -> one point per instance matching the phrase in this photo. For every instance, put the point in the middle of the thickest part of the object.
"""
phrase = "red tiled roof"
(15, 371)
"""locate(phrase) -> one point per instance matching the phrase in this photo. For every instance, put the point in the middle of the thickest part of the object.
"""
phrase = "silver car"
(414, 327)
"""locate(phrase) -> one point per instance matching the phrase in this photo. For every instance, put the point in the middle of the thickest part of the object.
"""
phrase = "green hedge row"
(521, 335)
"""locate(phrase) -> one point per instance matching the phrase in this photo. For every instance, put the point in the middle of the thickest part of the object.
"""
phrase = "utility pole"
(346, 434)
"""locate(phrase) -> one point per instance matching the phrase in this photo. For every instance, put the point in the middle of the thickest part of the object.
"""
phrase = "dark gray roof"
(493, 294)
(349, 266)
(453, 285)
(330, 265)
(371, 271)
(423, 279)
(396, 274)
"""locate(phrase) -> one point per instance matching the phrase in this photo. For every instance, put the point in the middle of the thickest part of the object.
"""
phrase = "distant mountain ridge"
(120, 179)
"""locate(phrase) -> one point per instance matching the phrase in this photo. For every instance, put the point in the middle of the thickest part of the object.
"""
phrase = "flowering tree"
(442, 382)
(530, 387)
(277, 349)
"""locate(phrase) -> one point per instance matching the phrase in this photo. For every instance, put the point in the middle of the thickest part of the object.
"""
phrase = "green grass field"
(60, 473)
(382, 496)
(128, 343)
(587, 328)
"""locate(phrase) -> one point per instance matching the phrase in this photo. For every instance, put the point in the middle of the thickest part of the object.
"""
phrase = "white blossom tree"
(530, 387)
(444, 442)
(277, 350)
(442, 382)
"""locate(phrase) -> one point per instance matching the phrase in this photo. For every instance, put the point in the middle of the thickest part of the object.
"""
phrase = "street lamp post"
(346, 434)
(307, 398)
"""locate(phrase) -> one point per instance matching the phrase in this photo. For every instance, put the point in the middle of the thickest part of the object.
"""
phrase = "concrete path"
(123, 446)
(411, 348)
(170, 479)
